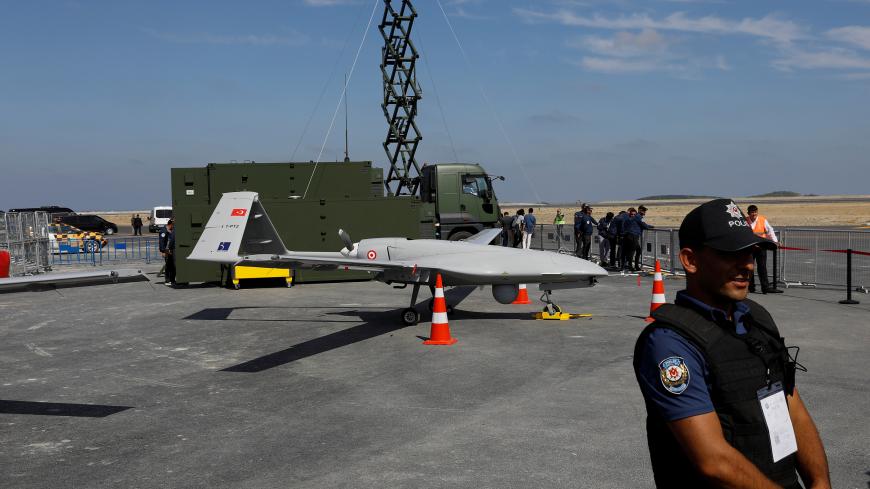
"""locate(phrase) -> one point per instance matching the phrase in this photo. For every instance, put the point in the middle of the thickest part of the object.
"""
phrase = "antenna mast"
(401, 94)
(346, 155)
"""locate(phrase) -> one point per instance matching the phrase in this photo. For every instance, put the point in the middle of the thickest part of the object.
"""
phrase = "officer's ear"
(689, 260)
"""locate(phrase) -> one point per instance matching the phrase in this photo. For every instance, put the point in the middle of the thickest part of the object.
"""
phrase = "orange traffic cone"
(658, 292)
(440, 332)
(522, 296)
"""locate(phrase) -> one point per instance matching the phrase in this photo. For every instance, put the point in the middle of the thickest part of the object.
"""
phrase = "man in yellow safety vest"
(559, 222)
(762, 228)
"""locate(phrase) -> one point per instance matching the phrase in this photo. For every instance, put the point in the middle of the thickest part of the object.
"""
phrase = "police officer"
(716, 377)
(167, 249)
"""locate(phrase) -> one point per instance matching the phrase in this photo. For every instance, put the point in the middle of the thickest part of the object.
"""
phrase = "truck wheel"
(460, 235)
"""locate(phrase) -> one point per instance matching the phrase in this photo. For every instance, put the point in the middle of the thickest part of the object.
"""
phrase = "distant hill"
(779, 193)
(675, 197)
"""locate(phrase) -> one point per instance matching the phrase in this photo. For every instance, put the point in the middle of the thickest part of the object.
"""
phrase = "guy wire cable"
(325, 87)
(489, 104)
(437, 98)
(343, 91)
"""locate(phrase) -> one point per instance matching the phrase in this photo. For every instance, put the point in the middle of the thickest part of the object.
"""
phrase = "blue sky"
(597, 99)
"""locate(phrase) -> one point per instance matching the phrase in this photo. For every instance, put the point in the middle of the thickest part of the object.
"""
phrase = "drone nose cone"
(598, 270)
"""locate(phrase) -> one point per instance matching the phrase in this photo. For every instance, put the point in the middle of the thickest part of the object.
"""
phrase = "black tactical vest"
(739, 366)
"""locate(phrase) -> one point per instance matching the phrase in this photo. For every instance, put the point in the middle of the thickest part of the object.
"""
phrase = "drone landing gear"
(553, 312)
(410, 316)
(549, 306)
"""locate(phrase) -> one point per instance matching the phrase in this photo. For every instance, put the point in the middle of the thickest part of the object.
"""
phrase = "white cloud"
(619, 66)
(646, 51)
(293, 39)
(624, 44)
(853, 34)
(834, 58)
(768, 27)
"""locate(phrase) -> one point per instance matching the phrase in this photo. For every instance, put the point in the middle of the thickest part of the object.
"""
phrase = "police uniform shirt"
(674, 402)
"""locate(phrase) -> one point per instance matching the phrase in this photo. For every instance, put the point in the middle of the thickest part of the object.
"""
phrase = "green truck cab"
(309, 202)
(463, 198)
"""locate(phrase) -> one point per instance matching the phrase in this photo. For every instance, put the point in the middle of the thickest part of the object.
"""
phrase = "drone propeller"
(345, 238)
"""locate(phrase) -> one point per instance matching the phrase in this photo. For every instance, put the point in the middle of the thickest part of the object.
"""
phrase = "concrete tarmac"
(139, 385)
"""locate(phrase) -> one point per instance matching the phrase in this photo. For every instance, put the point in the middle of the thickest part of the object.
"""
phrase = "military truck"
(456, 200)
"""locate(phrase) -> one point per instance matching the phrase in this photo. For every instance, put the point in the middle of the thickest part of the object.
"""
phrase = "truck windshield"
(474, 185)
(163, 213)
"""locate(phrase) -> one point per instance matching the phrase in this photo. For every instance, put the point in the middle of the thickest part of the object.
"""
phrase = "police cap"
(721, 225)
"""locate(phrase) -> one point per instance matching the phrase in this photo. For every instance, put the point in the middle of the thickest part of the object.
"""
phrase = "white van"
(160, 215)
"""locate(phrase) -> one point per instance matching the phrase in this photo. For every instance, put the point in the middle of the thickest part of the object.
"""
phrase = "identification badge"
(775, 408)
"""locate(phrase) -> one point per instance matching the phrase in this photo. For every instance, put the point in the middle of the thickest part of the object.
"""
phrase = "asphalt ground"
(140, 385)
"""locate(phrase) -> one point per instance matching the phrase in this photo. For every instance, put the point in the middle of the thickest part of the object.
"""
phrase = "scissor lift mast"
(401, 94)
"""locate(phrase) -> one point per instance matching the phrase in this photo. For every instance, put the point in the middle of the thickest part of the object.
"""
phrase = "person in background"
(586, 226)
(505, 221)
(529, 229)
(559, 222)
(578, 235)
(167, 249)
(604, 239)
(616, 248)
(517, 226)
(632, 228)
(762, 228)
(638, 252)
(137, 225)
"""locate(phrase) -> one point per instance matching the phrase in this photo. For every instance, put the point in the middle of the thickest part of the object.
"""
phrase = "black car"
(53, 210)
(90, 223)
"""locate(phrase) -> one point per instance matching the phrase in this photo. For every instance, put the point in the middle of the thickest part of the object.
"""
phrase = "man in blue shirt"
(616, 239)
(638, 252)
(713, 369)
(529, 228)
(604, 240)
(632, 228)
(583, 231)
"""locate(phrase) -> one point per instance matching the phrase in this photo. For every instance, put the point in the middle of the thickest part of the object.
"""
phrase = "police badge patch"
(674, 374)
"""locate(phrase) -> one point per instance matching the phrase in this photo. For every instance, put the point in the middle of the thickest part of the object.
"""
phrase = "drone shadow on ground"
(60, 409)
(375, 323)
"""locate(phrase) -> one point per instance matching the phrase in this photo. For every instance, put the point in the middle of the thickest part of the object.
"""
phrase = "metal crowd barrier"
(116, 250)
(24, 235)
(806, 257)
(818, 257)
(657, 244)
